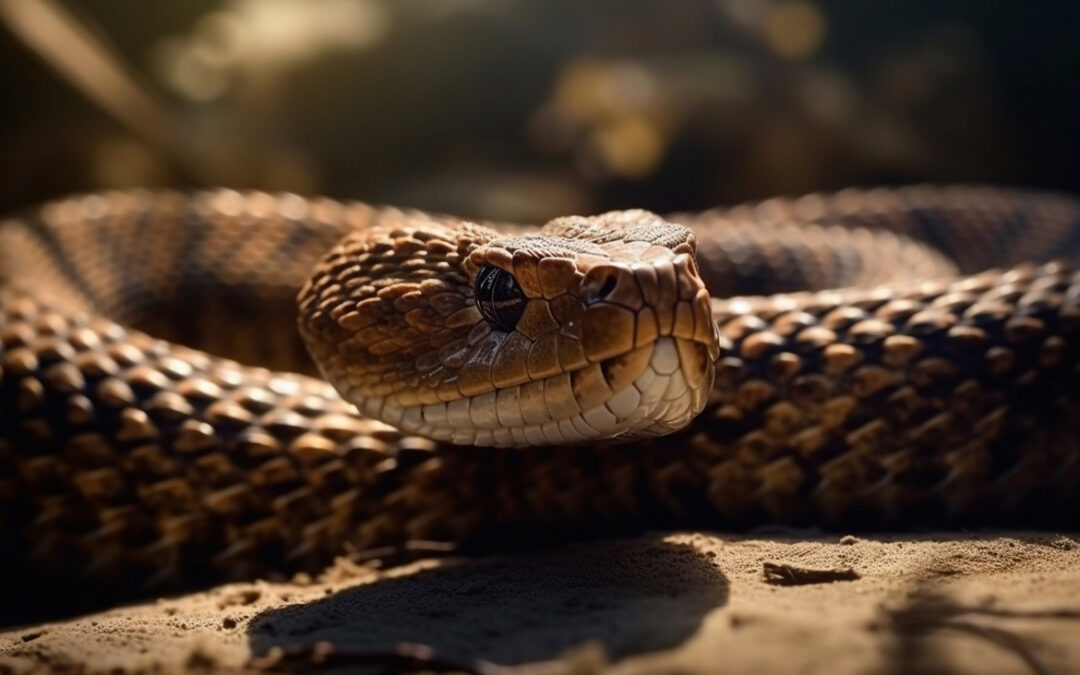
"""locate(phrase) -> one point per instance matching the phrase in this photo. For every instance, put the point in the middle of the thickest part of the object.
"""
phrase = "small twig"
(780, 574)
(87, 61)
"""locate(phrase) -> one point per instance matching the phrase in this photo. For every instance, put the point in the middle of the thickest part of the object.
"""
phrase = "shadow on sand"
(630, 596)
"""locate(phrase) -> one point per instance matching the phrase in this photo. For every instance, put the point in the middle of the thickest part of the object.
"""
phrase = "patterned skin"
(923, 389)
(610, 334)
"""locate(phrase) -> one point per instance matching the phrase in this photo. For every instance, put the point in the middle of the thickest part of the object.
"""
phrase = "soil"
(771, 602)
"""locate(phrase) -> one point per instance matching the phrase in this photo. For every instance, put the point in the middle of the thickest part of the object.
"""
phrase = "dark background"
(525, 110)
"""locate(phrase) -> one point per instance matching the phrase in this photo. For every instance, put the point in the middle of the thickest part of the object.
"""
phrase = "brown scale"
(126, 459)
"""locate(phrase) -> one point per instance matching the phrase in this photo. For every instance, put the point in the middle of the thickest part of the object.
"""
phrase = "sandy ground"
(679, 603)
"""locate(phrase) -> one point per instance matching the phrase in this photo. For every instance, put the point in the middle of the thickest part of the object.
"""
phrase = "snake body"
(883, 357)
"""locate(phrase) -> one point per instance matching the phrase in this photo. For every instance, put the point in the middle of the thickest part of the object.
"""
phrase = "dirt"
(775, 602)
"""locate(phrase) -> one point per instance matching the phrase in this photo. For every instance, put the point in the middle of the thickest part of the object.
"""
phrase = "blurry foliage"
(524, 110)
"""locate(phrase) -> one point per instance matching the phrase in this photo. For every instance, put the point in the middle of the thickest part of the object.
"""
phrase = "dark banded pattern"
(925, 391)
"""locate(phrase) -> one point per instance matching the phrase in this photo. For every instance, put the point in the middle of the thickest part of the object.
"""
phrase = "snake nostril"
(600, 283)
(607, 287)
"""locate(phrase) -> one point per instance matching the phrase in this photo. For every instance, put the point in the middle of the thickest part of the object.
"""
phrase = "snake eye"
(498, 297)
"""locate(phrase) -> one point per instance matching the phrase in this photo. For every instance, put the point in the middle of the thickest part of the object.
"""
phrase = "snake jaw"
(612, 335)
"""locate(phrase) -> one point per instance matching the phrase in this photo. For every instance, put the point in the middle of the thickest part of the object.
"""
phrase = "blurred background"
(525, 110)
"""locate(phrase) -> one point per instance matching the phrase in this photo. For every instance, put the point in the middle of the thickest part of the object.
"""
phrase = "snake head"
(588, 329)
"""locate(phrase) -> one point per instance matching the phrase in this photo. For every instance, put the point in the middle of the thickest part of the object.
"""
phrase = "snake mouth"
(657, 389)
(628, 355)
(651, 391)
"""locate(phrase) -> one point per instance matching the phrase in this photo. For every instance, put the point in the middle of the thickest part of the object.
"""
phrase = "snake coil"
(868, 357)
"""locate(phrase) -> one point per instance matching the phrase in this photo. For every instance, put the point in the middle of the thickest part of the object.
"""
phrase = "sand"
(1001, 602)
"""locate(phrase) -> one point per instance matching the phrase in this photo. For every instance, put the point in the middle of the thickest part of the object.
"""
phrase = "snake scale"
(886, 357)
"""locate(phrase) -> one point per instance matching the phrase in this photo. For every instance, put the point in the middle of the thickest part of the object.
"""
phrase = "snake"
(222, 385)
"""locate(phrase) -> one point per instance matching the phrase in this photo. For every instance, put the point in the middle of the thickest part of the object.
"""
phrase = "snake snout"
(649, 324)
(628, 306)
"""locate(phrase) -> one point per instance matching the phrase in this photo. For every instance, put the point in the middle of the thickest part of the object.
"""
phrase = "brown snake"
(925, 390)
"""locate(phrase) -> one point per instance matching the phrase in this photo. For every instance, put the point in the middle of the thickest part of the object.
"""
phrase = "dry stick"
(780, 574)
(85, 59)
